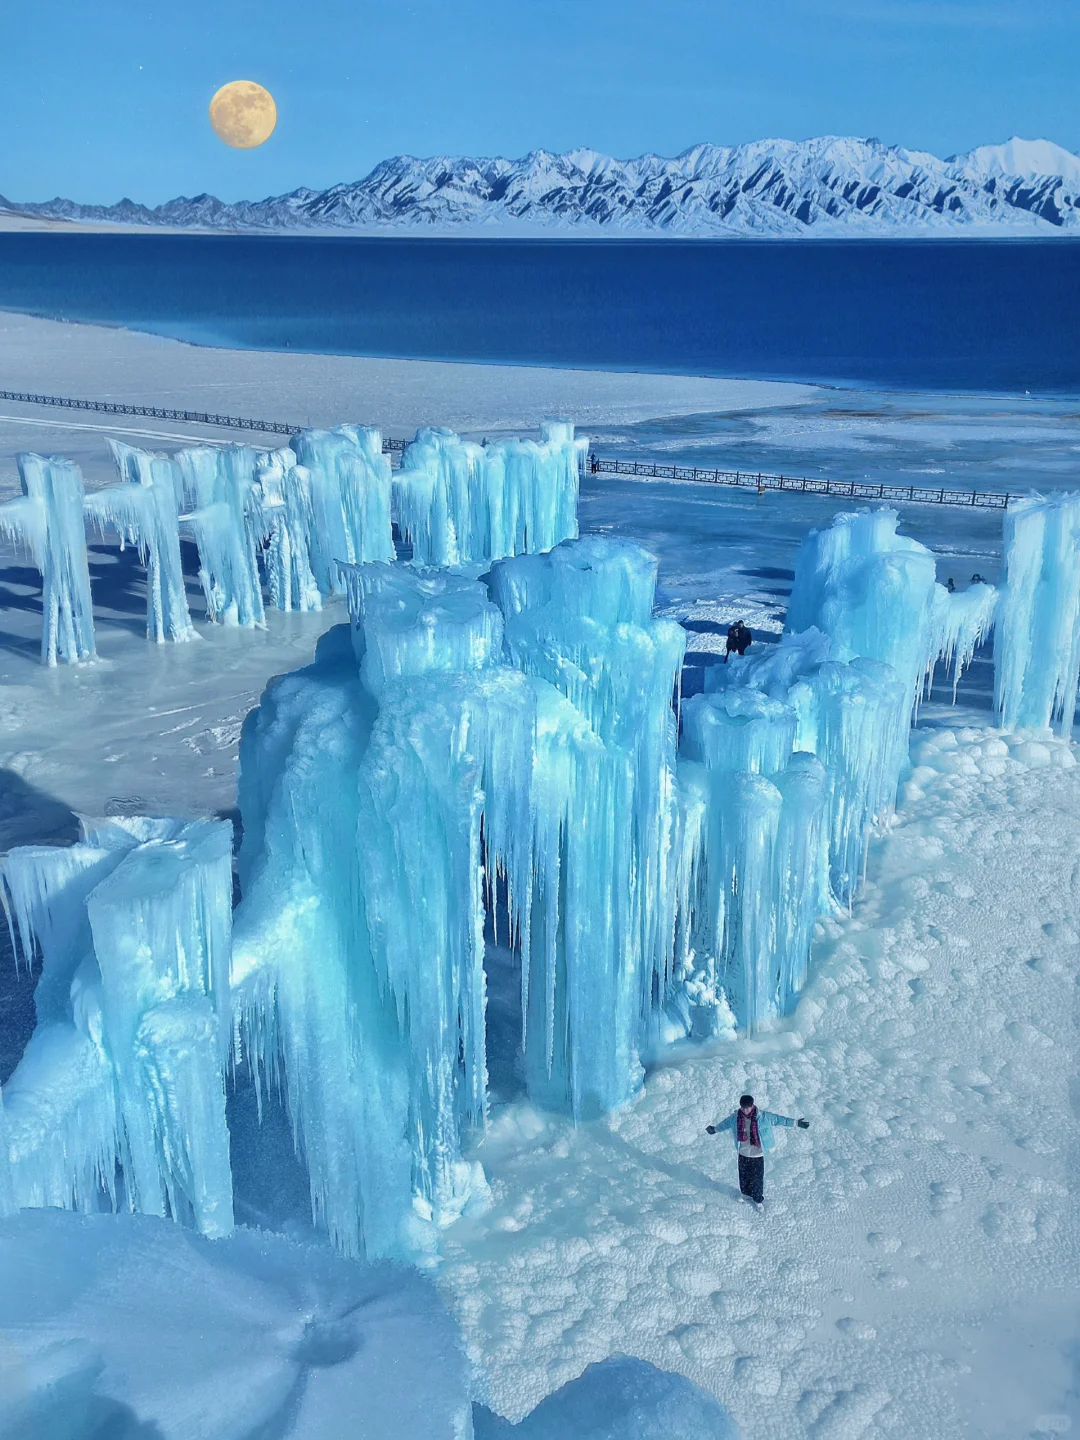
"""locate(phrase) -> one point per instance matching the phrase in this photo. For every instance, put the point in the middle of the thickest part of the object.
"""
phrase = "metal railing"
(596, 464)
(803, 485)
(159, 412)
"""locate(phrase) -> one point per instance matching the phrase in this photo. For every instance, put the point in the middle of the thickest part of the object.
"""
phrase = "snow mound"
(618, 1399)
(127, 1326)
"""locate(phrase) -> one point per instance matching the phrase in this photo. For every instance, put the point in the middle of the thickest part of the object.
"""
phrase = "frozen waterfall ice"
(222, 503)
(350, 490)
(48, 520)
(126, 1067)
(459, 503)
(1037, 636)
(285, 524)
(144, 510)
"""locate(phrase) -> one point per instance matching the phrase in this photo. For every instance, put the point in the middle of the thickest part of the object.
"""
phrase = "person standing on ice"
(751, 1130)
(739, 640)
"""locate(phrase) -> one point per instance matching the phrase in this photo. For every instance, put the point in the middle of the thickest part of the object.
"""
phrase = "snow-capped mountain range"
(770, 188)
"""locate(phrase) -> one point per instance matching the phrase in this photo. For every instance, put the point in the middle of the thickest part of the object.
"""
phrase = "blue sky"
(105, 98)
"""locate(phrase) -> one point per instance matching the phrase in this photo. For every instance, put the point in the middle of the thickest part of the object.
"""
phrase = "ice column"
(145, 511)
(350, 485)
(580, 618)
(286, 521)
(1037, 638)
(219, 482)
(127, 1063)
(874, 594)
(755, 860)
(854, 716)
(460, 503)
(359, 949)
(48, 520)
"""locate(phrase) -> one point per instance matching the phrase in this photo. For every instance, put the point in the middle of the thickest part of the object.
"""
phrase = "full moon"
(243, 114)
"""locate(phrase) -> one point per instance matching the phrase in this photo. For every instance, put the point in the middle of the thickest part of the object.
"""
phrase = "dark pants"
(752, 1176)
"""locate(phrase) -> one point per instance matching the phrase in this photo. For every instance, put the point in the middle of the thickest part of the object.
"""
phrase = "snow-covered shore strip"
(101, 363)
(918, 1237)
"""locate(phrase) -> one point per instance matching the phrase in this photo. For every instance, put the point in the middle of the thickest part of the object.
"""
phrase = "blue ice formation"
(144, 511)
(875, 595)
(459, 503)
(350, 499)
(222, 514)
(595, 962)
(617, 1399)
(286, 520)
(48, 520)
(791, 757)
(453, 748)
(1037, 636)
(126, 1066)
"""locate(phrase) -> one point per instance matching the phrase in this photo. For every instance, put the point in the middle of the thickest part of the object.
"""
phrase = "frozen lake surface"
(914, 1274)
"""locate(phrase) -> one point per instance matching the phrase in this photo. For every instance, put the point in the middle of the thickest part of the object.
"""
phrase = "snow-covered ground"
(914, 1273)
(915, 1269)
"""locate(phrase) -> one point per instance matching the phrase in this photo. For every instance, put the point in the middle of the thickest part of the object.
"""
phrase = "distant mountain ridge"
(829, 186)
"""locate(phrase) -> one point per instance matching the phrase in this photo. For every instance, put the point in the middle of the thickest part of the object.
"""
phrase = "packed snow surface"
(127, 1326)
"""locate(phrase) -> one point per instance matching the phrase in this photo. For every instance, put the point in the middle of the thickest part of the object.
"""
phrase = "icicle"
(48, 521)
(226, 524)
(459, 503)
(1037, 637)
(144, 511)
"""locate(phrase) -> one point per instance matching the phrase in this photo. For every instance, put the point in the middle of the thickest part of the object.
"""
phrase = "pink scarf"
(748, 1128)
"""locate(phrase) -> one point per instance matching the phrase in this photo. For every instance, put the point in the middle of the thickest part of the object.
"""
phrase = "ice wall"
(580, 618)
(126, 1066)
(421, 781)
(48, 520)
(460, 503)
(144, 511)
(755, 860)
(1037, 638)
(350, 489)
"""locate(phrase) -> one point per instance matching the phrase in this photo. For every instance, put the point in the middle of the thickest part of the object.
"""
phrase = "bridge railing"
(805, 485)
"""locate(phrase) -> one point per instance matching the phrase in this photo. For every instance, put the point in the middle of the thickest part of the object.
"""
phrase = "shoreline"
(605, 374)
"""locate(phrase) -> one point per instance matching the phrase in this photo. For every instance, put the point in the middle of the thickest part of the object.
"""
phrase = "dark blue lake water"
(945, 315)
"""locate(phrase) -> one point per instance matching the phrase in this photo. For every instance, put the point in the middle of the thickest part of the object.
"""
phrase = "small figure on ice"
(751, 1130)
(739, 640)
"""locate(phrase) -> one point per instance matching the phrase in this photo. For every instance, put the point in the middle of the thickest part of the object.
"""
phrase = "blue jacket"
(766, 1119)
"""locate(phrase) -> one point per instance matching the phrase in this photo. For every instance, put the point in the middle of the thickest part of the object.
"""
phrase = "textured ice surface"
(580, 618)
(1037, 639)
(617, 1399)
(125, 1326)
(396, 804)
(349, 481)
(144, 510)
(127, 1063)
(755, 844)
(286, 519)
(222, 503)
(413, 621)
(460, 503)
(872, 592)
(48, 521)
